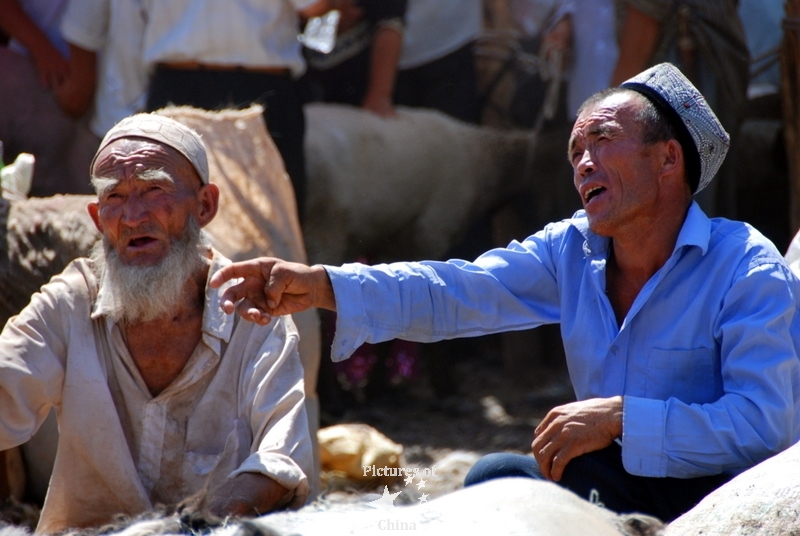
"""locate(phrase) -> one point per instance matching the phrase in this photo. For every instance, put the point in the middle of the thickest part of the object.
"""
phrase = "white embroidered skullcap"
(163, 130)
(705, 142)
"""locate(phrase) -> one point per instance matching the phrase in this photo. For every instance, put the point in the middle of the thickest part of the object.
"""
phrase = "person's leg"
(407, 91)
(601, 478)
(283, 114)
(448, 84)
(200, 88)
(502, 465)
(286, 123)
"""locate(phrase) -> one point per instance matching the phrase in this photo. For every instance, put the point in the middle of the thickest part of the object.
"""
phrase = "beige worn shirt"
(236, 407)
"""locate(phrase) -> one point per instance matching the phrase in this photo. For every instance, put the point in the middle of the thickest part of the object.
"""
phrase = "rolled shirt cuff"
(349, 312)
(280, 468)
(643, 422)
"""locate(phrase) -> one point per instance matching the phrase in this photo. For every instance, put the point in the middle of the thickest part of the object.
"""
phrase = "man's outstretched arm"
(272, 287)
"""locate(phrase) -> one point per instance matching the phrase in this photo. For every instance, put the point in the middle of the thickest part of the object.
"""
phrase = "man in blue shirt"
(679, 330)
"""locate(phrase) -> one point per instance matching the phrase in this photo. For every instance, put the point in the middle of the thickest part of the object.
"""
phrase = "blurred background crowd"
(72, 68)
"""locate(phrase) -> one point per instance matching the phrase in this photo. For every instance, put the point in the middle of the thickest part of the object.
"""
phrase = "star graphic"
(423, 498)
(387, 499)
(409, 479)
(421, 484)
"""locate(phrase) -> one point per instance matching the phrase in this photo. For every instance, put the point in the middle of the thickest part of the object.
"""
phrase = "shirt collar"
(593, 244)
(215, 321)
(97, 309)
(696, 231)
(217, 325)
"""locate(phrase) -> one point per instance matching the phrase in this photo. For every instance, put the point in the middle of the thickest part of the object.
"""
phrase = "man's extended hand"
(272, 287)
(574, 429)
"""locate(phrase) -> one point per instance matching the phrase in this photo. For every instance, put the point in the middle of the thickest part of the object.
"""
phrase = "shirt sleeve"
(755, 417)
(33, 349)
(85, 23)
(275, 397)
(506, 289)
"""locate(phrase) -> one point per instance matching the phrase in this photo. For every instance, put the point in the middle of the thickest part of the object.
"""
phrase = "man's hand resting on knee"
(272, 287)
(574, 429)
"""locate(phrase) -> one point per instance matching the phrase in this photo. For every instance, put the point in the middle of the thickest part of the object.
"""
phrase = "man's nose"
(585, 164)
(134, 211)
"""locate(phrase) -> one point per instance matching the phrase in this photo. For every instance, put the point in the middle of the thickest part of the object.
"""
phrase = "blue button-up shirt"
(706, 359)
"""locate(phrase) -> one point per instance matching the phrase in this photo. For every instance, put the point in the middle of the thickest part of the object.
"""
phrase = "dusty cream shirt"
(236, 407)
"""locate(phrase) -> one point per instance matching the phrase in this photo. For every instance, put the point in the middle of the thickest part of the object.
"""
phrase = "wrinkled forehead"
(133, 156)
(614, 112)
(161, 129)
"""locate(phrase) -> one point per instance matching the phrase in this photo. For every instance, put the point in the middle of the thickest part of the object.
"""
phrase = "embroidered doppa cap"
(705, 142)
(163, 130)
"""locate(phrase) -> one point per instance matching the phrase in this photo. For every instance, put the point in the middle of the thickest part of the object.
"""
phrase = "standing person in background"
(206, 54)
(106, 70)
(587, 29)
(706, 40)
(437, 64)
(362, 67)
(33, 28)
(35, 72)
(762, 27)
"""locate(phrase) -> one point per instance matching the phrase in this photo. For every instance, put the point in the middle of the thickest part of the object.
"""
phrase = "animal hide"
(762, 500)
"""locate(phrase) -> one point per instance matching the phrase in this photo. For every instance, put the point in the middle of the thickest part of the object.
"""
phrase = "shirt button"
(614, 349)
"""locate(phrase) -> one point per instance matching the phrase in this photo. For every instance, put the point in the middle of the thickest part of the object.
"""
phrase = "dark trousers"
(212, 89)
(448, 84)
(600, 477)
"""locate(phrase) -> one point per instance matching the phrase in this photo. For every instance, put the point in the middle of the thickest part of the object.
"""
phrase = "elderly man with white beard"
(159, 395)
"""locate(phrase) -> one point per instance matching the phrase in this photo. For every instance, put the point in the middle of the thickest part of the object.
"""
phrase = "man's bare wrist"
(324, 297)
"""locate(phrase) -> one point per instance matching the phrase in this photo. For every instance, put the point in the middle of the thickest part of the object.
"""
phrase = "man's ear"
(672, 162)
(208, 196)
(94, 212)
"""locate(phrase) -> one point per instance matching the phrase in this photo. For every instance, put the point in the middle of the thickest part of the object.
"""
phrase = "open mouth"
(591, 193)
(140, 241)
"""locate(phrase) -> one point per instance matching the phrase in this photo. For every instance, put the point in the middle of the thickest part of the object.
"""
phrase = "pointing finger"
(252, 269)
(243, 290)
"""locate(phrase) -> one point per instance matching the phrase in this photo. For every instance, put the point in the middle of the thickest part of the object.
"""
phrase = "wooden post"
(790, 96)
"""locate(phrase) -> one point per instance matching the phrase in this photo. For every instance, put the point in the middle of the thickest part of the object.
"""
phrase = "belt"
(197, 66)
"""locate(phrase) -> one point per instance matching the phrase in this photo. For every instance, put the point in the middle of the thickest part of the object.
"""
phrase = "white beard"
(145, 293)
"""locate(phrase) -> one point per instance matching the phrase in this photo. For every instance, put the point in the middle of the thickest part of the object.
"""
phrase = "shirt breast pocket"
(691, 376)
